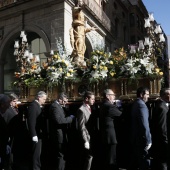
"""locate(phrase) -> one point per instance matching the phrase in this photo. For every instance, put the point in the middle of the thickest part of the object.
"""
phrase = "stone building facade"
(119, 23)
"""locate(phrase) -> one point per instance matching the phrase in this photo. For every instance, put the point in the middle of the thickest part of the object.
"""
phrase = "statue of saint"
(77, 36)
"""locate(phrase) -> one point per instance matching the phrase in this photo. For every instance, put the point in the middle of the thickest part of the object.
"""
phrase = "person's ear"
(86, 99)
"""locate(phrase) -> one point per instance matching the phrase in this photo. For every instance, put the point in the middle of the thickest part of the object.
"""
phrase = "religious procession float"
(122, 70)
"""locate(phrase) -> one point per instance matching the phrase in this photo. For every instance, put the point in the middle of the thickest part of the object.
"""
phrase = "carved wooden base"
(123, 88)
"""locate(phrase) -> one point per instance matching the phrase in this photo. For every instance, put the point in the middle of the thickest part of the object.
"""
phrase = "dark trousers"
(2, 160)
(139, 158)
(57, 161)
(109, 157)
(36, 154)
(160, 157)
(85, 159)
(4, 157)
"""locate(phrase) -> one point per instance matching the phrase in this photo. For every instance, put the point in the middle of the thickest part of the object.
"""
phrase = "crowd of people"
(56, 138)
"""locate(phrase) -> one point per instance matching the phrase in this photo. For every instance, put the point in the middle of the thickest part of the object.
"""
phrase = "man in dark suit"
(58, 122)
(9, 117)
(84, 127)
(168, 136)
(159, 130)
(107, 114)
(35, 127)
(140, 130)
(4, 105)
(12, 110)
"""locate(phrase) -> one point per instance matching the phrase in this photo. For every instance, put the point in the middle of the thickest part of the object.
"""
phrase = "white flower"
(54, 75)
(133, 70)
(102, 63)
(64, 57)
(144, 61)
(150, 67)
(109, 54)
(95, 58)
(67, 63)
(130, 63)
(95, 74)
(37, 71)
(104, 73)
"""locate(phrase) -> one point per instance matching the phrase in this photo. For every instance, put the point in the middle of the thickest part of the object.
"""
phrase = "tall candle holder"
(28, 65)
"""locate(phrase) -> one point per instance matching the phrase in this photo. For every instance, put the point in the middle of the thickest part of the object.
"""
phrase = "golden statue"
(77, 36)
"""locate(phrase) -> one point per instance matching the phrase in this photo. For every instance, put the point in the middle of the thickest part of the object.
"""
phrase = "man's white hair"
(40, 94)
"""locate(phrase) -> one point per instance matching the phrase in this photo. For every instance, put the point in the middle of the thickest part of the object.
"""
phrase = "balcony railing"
(97, 11)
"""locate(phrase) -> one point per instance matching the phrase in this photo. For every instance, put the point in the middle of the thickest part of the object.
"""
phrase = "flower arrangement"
(100, 66)
(29, 74)
(59, 67)
(28, 65)
(139, 64)
(119, 58)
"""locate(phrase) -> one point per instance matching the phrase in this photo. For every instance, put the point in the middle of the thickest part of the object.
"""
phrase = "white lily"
(95, 58)
(54, 75)
(130, 63)
(95, 74)
(104, 73)
(144, 61)
(133, 70)
(149, 68)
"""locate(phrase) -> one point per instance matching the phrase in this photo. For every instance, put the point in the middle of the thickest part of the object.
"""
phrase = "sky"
(161, 12)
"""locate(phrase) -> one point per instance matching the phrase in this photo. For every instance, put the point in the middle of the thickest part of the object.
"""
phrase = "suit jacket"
(140, 124)
(107, 114)
(3, 136)
(58, 123)
(159, 123)
(9, 114)
(34, 119)
(83, 116)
